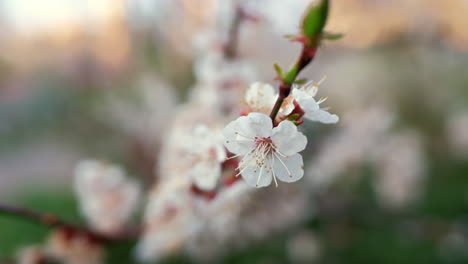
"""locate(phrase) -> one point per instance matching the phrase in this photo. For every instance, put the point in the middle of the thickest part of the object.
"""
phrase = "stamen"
(239, 141)
(323, 99)
(284, 165)
(237, 133)
(246, 165)
(323, 79)
(233, 157)
(277, 151)
(259, 175)
(273, 171)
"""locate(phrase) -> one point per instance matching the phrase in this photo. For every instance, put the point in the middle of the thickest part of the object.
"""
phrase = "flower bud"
(314, 19)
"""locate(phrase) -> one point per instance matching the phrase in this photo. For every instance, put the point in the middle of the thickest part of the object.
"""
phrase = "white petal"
(305, 100)
(260, 124)
(206, 175)
(287, 107)
(322, 116)
(260, 96)
(289, 169)
(238, 138)
(251, 172)
(287, 139)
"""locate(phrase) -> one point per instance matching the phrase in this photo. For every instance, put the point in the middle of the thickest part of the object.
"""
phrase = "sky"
(31, 15)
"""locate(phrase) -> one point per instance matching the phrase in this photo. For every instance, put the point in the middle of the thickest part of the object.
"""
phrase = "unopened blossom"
(260, 97)
(304, 95)
(206, 152)
(268, 152)
(107, 197)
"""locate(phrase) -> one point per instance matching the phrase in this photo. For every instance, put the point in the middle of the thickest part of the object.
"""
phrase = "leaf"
(315, 18)
(300, 81)
(332, 36)
(278, 70)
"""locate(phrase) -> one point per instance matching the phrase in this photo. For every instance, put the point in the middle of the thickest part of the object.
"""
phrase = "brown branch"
(53, 221)
(307, 55)
(231, 46)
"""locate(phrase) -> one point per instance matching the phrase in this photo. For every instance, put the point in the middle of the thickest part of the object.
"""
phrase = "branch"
(53, 221)
(313, 22)
(307, 55)
(230, 50)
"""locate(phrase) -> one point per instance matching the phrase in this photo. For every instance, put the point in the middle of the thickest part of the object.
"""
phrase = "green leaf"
(291, 36)
(278, 70)
(332, 36)
(291, 75)
(300, 81)
(293, 117)
(315, 18)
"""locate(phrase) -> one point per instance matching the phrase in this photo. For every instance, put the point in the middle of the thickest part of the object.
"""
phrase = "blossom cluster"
(215, 155)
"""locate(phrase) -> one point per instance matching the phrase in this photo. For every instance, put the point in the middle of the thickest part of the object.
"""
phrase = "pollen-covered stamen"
(238, 134)
(323, 99)
(264, 151)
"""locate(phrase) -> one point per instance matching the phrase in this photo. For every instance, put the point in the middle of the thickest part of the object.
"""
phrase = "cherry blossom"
(260, 97)
(107, 197)
(269, 153)
(304, 95)
(206, 152)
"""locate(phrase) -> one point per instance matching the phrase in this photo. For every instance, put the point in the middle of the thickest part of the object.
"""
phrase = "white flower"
(268, 152)
(207, 153)
(304, 96)
(107, 197)
(260, 97)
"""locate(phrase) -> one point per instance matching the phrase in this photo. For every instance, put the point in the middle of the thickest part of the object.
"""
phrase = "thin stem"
(307, 55)
(231, 48)
(53, 221)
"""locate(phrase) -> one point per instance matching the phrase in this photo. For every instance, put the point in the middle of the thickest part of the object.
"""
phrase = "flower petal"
(322, 116)
(305, 100)
(206, 175)
(289, 169)
(239, 145)
(260, 96)
(287, 139)
(260, 124)
(254, 175)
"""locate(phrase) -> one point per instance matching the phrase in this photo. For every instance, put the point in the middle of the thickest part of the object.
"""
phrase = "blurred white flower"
(400, 169)
(304, 96)
(169, 220)
(282, 16)
(206, 152)
(142, 112)
(221, 83)
(348, 147)
(107, 197)
(260, 97)
(268, 153)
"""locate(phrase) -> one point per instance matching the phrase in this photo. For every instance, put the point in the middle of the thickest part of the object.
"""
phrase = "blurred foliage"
(17, 233)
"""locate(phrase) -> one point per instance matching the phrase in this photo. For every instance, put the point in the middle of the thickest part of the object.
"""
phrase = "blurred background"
(102, 78)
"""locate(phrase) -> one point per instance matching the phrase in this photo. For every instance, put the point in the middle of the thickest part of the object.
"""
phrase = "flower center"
(264, 143)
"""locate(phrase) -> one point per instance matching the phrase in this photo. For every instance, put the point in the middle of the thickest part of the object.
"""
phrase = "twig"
(231, 47)
(307, 55)
(53, 221)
